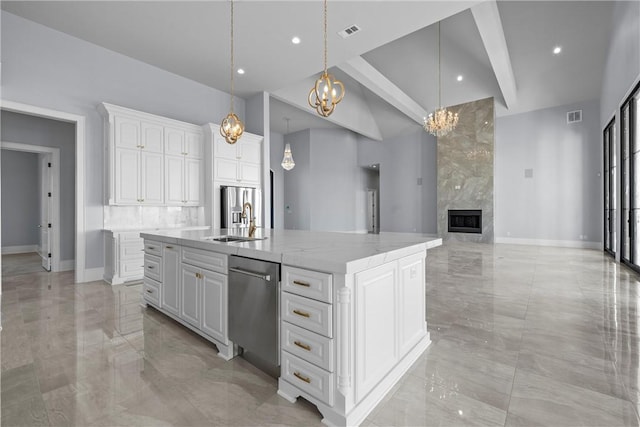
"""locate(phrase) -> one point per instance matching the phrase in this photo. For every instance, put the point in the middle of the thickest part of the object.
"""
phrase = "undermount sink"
(229, 239)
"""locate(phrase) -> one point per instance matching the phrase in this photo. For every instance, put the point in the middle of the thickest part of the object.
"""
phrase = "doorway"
(610, 187)
(30, 207)
(372, 186)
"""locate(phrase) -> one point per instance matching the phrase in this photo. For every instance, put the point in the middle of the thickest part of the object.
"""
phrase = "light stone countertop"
(322, 251)
(145, 229)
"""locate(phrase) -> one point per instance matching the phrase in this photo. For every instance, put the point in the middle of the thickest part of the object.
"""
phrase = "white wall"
(47, 68)
(20, 198)
(297, 183)
(622, 68)
(33, 130)
(563, 199)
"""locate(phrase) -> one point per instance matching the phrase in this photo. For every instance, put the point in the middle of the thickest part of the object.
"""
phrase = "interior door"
(45, 210)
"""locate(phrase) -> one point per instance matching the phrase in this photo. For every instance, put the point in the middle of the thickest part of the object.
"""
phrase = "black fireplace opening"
(465, 221)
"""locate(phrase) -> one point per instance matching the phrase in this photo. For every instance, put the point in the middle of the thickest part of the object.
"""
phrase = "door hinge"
(48, 194)
(49, 225)
(49, 255)
(48, 165)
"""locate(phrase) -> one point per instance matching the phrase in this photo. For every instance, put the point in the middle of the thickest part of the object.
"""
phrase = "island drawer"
(307, 377)
(308, 283)
(307, 313)
(153, 267)
(151, 291)
(153, 248)
(308, 346)
(205, 259)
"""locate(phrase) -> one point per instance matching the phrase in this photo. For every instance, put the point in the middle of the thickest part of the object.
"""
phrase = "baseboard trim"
(67, 265)
(578, 244)
(93, 274)
(24, 249)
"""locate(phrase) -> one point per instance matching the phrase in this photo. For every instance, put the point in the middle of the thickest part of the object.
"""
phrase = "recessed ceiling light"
(240, 70)
(557, 50)
(295, 40)
(460, 78)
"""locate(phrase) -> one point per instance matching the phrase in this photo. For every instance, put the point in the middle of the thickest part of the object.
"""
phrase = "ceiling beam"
(364, 73)
(489, 25)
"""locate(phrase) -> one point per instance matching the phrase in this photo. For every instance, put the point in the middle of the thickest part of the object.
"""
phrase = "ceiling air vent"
(349, 31)
(574, 116)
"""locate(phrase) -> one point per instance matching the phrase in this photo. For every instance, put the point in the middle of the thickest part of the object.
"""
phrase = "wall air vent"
(574, 116)
(349, 31)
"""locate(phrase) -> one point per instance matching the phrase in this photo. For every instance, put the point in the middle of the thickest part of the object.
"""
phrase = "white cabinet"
(124, 257)
(183, 181)
(191, 290)
(239, 163)
(214, 305)
(142, 159)
(171, 291)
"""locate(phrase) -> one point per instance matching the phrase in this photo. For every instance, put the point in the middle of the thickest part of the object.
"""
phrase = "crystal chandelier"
(440, 122)
(232, 127)
(287, 160)
(327, 91)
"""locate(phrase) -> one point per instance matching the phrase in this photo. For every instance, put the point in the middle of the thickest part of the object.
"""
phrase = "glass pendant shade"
(324, 96)
(231, 128)
(287, 160)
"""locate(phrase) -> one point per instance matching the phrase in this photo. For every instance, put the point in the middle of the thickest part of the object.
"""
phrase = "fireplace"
(465, 221)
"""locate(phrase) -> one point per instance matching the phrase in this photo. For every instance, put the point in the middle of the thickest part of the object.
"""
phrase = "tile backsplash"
(135, 217)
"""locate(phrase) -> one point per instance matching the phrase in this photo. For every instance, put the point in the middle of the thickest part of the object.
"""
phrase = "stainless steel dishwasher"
(254, 310)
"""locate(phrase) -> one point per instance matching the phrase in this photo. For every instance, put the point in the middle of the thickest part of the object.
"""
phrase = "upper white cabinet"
(237, 164)
(152, 160)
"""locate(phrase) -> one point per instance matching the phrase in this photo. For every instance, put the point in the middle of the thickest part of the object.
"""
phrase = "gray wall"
(563, 200)
(50, 69)
(623, 60)
(298, 183)
(49, 133)
(277, 151)
(405, 160)
(20, 198)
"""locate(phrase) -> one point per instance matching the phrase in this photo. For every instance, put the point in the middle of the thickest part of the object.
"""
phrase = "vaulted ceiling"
(390, 67)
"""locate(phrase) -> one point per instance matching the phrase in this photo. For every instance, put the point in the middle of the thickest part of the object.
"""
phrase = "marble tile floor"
(16, 264)
(521, 335)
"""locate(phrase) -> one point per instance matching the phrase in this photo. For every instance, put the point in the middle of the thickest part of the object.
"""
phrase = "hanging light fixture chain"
(439, 70)
(232, 59)
(325, 36)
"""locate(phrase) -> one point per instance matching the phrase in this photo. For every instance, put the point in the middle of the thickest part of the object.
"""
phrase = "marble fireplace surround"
(465, 159)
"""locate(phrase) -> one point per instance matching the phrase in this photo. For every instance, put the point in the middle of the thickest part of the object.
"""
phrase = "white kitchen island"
(352, 306)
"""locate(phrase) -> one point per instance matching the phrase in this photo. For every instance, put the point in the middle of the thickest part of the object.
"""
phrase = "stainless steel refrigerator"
(232, 200)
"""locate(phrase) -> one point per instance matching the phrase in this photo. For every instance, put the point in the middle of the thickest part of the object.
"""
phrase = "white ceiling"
(191, 38)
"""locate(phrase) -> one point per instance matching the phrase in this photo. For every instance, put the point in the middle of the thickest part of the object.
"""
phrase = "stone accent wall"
(465, 169)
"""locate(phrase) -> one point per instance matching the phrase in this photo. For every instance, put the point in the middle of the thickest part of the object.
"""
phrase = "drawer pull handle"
(150, 248)
(149, 291)
(301, 313)
(150, 267)
(300, 377)
(303, 346)
(169, 247)
(299, 283)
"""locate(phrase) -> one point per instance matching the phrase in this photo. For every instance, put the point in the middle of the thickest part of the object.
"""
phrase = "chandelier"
(440, 122)
(232, 127)
(287, 160)
(327, 91)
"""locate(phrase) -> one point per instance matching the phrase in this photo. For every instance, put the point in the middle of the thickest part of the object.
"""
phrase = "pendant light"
(327, 91)
(287, 160)
(440, 122)
(232, 127)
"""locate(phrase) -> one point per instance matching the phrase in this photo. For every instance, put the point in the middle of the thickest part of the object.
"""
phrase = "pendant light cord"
(232, 59)
(439, 71)
(325, 36)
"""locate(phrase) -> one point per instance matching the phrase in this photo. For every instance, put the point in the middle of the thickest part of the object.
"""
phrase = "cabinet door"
(224, 150)
(173, 141)
(151, 178)
(412, 325)
(376, 345)
(194, 145)
(174, 180)
(249, 173)
(249, 151)
(190, 304)
(127, 133)
(214, 305)
(192, 181)
(152, 137)
(226, 170)
(171, 279)
(127, 176)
